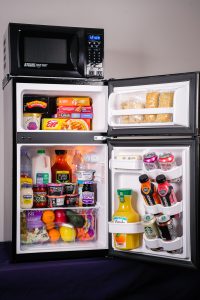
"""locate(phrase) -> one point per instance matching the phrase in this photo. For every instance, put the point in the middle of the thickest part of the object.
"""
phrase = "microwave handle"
(77, 52)
(74, 52)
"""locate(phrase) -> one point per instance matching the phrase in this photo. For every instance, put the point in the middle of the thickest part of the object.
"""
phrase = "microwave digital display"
(45, 50)
(93, 37)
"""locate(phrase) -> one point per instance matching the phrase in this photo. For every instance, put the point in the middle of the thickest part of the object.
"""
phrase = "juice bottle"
(126, 214)
(148, 191)
(61, 171)
(165, 191)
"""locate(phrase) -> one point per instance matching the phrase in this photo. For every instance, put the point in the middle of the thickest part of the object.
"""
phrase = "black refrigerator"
(123, 127)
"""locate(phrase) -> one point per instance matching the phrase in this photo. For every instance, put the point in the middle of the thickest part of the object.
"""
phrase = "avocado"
(75, 219)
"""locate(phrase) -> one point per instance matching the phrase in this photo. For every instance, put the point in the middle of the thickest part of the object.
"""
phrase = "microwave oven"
(53, 51)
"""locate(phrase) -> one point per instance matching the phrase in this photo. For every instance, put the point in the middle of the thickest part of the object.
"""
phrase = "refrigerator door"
(126, 165)
(157, 105)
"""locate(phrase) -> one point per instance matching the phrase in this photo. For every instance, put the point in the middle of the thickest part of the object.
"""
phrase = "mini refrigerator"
(126, 127)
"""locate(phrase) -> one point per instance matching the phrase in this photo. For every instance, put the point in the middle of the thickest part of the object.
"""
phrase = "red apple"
(60, 216)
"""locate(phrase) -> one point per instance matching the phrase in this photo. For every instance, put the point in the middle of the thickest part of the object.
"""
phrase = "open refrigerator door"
(164, 206)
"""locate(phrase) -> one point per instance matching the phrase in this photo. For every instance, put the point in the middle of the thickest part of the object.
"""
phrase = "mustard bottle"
(126, 214)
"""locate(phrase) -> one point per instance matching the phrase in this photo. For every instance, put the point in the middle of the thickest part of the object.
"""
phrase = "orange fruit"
(50, 226)
(120, 238)
(48, 216)
(54, 235)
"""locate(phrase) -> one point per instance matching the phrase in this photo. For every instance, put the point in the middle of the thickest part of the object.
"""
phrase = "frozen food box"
(66, 124)
(75, 115)
(74, 109)
(36, 104)
(73, 101)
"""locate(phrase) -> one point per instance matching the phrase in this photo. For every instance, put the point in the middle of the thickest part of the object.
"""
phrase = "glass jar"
(40, 195)
(26, 197)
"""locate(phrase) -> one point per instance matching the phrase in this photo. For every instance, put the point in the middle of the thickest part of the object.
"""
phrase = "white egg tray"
(136, 227)
(167, 210)
(166, 245)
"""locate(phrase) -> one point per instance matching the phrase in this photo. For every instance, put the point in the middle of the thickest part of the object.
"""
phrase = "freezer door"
(158, 105)
(181, 247)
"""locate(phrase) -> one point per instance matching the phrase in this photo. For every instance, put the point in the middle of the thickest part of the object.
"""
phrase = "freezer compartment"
(155, 105)
(61, 107)
(68, 216)
(126, 176)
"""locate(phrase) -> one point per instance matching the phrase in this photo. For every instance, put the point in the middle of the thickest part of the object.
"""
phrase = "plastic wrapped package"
(164, 118)
(166, 99)
(152, 101)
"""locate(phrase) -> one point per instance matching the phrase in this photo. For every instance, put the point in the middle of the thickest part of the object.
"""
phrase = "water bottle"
(25, 164)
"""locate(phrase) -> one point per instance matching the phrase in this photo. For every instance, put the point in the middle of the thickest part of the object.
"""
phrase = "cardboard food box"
(75, 115)
(74, 109)
(73, 101)
(66, 124)
(36, 104)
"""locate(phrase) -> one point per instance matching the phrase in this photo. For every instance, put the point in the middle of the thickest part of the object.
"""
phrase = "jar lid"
(39, 186)
(26, 185)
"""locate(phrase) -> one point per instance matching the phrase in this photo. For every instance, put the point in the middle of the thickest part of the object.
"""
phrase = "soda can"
(150, 226)
(166, 161)
(166, 228)
(150, 161)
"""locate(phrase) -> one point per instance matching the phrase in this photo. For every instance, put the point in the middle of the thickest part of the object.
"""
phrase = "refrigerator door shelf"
(166, 245)
(136, 227)
(125, 164)
(167, 210)
(173, 174)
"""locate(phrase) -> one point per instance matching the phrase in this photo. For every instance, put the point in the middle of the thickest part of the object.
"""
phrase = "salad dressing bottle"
(126, 214)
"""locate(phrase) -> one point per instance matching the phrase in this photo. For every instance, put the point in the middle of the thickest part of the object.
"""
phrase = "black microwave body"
(53, 51)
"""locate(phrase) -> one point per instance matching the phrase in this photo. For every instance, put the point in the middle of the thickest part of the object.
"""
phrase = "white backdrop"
(142, 38)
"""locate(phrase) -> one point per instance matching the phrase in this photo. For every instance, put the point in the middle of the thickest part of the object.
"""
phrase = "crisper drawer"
(153, 105)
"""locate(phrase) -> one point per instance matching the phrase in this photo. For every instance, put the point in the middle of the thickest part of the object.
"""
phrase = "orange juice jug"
(126, 214)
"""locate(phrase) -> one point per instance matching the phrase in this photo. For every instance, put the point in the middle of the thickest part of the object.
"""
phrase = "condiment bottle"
(61, 171)
(126, 214)
(26, 196)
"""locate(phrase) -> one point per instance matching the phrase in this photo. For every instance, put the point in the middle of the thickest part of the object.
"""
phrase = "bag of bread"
(164, 118)
(152, 100)
(166, 99)
(124, 119)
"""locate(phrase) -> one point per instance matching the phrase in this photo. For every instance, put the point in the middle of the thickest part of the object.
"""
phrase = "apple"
(60, 216)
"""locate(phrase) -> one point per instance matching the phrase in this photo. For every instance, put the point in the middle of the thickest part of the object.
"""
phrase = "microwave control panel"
(95, 47)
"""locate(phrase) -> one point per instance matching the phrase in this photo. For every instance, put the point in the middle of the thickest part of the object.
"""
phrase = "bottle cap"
(40, 151)
(124, 192)
(143, 178)
(148, 217)
(163, 219)
(160, 178)
(59, 152)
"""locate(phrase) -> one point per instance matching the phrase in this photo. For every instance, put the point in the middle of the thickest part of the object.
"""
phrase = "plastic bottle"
(165, 191)
(25, 164)
(126, 214)
(77, 164)
(41, 168)
(61, 171)
(148, 191)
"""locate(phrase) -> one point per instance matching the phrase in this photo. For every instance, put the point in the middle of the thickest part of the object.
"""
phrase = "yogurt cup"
(85, 175)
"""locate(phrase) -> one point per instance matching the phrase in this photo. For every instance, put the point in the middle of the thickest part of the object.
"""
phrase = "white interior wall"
(142, 37)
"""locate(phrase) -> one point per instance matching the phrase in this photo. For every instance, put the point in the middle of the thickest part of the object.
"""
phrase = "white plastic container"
(41, 168)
